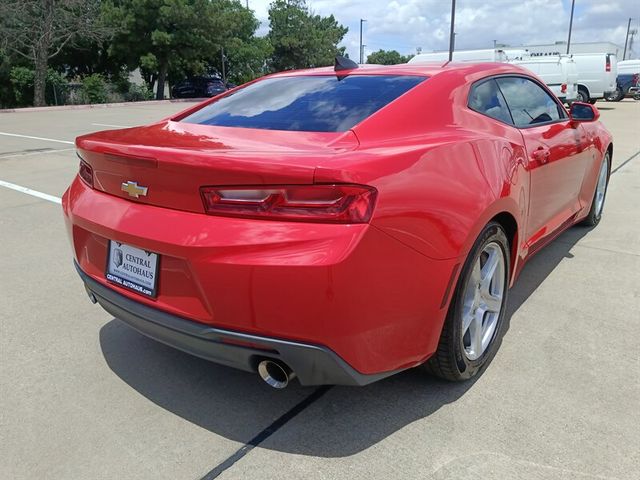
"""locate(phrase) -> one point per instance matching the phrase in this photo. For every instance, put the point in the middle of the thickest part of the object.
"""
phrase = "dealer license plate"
(132, 268)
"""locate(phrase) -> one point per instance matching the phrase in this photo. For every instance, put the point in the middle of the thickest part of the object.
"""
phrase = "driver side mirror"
(584, 112)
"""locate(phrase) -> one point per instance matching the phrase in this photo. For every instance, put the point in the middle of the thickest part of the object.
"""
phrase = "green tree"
(38, 30)
(246, 60)
(387, 57)
(301, 39)
(167, 37)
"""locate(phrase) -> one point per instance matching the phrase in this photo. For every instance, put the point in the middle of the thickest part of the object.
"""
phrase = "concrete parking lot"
(82, 396)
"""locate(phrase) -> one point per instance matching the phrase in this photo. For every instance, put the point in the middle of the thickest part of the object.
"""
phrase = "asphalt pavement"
(82, 396)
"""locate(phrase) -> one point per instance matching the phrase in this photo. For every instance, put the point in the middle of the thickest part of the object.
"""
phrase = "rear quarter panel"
(448, 173)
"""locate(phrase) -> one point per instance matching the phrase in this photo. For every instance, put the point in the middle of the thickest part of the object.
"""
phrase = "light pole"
(626, 39)
(451, 34)
(362, 20)
(573, 4)
(224, 73)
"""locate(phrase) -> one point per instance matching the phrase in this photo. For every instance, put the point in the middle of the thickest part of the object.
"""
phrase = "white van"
(487, 55)
(628, 67)
(559, 73)
(597, 74)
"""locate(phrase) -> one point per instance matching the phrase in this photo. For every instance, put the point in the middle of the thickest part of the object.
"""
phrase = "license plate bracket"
(133, 268)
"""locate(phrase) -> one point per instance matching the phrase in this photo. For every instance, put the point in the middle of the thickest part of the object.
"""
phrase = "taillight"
(302, 203)
(607, 67)
(563, 88)
(86, 173)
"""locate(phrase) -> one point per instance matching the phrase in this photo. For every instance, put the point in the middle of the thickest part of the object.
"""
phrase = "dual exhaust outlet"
(275, 374)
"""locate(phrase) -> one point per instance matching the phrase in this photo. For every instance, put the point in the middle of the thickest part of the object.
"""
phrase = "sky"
(404, 25)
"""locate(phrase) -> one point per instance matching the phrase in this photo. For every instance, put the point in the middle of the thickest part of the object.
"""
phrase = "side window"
(528, 102)
(487, 99)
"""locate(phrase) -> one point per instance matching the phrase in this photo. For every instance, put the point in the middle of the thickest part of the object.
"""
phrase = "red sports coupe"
(336, 224)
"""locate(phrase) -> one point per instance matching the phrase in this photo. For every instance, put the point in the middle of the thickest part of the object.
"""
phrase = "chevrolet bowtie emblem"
(133, 189)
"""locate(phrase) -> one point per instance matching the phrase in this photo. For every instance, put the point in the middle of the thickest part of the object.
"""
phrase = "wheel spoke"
(492, 303)
(467, 319)
(475, 333)
(489, 270)
(476, 274)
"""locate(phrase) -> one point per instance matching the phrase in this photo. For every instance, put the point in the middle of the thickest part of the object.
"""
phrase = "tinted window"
(486, 98)
(529, 103)
(312, 103)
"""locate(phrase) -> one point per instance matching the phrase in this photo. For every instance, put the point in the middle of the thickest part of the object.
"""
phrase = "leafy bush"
(57, 88)
(95, 88)
(138, 93)
(22, 81)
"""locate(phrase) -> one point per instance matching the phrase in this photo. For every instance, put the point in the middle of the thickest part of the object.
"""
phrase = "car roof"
(427, 69)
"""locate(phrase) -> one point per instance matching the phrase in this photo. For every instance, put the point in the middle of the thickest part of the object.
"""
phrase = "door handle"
(541, 155)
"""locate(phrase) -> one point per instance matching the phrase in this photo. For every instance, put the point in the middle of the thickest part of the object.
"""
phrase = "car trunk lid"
(173, 160)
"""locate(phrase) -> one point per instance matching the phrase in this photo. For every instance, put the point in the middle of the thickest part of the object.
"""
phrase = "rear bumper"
(313, 364)
(361, 294)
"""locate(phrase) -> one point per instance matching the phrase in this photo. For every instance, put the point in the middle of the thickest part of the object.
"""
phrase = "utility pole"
(626, 39)
(495, 42)
(573, 4)
(362, 20)
(452, 38)
(224, 75)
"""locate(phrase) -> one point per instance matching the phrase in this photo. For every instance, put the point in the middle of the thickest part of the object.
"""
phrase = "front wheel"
(474, 323)
(597, 204)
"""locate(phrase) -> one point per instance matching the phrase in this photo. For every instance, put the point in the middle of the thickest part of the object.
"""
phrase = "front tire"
(597, 204)
(475, 321)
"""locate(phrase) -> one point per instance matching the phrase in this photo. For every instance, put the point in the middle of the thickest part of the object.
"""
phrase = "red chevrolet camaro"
(336, 224)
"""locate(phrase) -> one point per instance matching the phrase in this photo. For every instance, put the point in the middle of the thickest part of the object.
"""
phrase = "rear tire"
(615, 96)
(600, 193)
(583, 95)
(473, 328)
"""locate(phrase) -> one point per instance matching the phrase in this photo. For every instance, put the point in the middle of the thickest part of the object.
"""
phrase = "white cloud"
(404, 25)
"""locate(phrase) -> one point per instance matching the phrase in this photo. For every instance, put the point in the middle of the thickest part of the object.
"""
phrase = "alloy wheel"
(601, 188)
(482, 301)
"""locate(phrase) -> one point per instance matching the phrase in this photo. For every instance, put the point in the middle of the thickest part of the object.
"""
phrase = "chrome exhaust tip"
(275, 374)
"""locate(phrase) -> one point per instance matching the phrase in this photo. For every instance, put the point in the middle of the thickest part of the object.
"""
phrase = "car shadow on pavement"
(346, 420)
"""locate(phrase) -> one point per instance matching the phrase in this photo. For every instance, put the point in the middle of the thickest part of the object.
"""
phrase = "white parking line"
(109, 125)
(28, 191)
(36, 138)
(30, 154)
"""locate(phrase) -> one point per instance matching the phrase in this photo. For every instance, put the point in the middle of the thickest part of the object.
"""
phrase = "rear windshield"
(311, 103)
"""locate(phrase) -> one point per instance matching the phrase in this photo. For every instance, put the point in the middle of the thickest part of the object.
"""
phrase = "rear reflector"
(563, 88)
(608, 65)
(302, 203)
(86, 173)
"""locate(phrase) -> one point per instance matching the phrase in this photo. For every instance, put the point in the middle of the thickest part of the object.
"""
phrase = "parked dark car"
(198, 87)
(624, 82)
